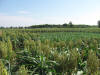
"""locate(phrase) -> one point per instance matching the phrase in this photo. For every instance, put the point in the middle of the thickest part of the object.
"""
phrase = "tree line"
(65, 25)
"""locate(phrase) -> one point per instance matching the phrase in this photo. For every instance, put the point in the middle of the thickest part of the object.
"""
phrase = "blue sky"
(30, 12)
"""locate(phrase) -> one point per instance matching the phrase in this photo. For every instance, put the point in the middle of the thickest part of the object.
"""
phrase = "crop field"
(50, 51)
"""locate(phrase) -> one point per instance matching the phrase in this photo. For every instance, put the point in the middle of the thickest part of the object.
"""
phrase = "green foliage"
(45, 66)
(56, 53)
(92, 63)
(22, 71)
(70, 23)
(37, 65)
(99, 24)
(3, 70)
(9, 48)
(3, 50)
(73, 61)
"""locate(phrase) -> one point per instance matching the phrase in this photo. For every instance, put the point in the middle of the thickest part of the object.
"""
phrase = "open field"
(50, 51)
(49, 37)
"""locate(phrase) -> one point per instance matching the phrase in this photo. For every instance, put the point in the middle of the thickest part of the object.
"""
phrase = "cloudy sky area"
(30, 12)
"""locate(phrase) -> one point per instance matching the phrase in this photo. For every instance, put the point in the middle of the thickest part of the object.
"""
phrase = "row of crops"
(93, 30)
(57, 53)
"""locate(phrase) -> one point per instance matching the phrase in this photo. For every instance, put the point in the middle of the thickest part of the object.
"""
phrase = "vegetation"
(45, 51)
(65, 25)
(99, 24)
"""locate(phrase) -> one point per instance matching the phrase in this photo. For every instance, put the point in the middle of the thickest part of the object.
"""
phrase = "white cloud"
(24, 12)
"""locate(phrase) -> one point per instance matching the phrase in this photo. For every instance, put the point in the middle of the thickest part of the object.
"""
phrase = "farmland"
(50, 51)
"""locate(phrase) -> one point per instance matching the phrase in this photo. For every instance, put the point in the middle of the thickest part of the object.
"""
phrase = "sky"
(32, 12)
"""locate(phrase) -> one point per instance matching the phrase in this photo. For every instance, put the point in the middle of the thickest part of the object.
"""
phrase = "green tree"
(99, 23)
(65, 24)
(70, 24)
